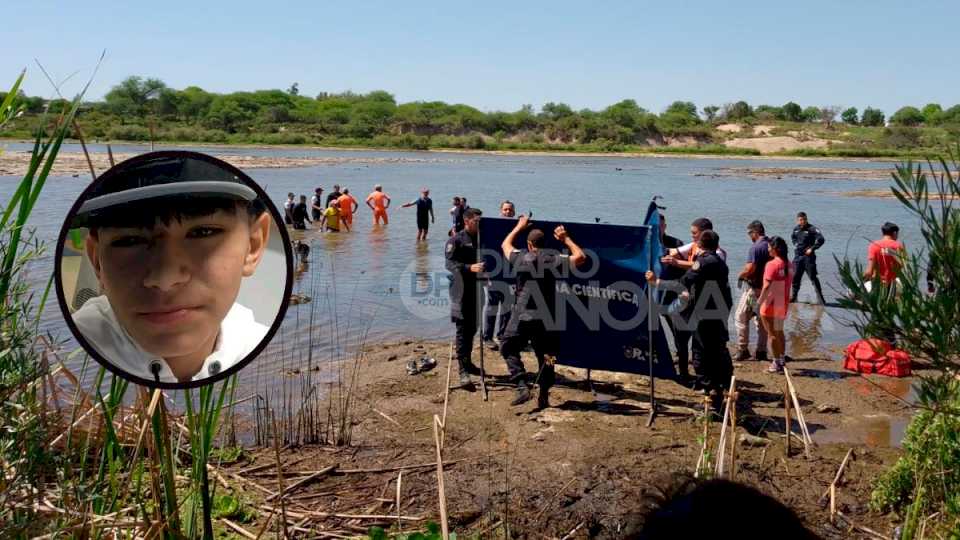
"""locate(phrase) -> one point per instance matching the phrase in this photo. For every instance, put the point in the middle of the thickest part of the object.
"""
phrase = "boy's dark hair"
(802, 214)
(535, 238)
(146, 213)
(709, 240)
(703, 224)
(890, 228)
(456, 199)
(471, 213)
(757, 227)
(692, 508)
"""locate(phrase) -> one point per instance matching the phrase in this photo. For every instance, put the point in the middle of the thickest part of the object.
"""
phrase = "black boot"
(820, 298)
(543, 398)
(521, 396)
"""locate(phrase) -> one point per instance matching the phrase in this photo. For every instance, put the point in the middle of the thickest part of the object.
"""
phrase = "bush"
(128, 133)
(922, 320)
(931, 450)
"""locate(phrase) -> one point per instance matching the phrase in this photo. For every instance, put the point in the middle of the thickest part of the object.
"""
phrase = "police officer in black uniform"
(535, 305)
(807, 239)
(461, 255)
(707, 282)
(677, 323)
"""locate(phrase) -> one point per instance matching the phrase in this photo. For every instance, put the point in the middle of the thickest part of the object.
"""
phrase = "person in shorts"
(424, 213)
(348, 206)
(171, 239)
(774, 300)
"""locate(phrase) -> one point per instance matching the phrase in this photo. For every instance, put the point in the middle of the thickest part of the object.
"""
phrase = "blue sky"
(500, 55)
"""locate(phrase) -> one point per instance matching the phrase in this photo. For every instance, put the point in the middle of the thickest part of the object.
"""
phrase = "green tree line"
(137, 108)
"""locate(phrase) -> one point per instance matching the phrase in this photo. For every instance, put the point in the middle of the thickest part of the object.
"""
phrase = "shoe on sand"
(742, 356)
(522, 396)
(412, 368)
(426, 364)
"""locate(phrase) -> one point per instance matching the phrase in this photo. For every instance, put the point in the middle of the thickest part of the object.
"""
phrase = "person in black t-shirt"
(424, 213)
(301, 214)
(316, 204)
(334, 195)
(534, 305)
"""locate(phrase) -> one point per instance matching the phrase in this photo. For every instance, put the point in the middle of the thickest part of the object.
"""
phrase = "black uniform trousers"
(466, 330)
(495, 304)
(806, 264)
(711, 359)
(516, 339)
(681, 340)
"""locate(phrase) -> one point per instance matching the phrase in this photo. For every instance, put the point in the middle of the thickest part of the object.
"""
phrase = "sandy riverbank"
(75, 163)
(584, 465)
(803, 173)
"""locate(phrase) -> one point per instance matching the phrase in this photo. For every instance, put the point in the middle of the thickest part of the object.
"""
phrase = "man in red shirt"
(884, 255)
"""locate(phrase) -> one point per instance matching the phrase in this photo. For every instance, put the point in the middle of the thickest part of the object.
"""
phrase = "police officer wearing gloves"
(807, 239)
(534, 305)
(709, 288)
(461, 255)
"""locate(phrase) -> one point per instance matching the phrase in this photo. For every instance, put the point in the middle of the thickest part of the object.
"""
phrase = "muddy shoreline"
(584, 465)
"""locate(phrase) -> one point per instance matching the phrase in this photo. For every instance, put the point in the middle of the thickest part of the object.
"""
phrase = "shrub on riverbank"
(924, 485)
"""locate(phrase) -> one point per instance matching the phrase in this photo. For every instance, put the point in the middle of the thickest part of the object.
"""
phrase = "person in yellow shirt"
(331, 218)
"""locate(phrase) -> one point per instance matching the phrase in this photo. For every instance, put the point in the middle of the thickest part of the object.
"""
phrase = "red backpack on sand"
(876, 356)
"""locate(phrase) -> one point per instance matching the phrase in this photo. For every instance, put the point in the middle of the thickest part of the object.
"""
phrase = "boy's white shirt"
(239, 334)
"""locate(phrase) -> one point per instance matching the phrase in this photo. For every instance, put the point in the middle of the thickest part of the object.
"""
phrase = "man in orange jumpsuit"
(378, 201)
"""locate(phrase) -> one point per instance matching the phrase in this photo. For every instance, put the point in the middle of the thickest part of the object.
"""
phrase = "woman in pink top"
(774, 300)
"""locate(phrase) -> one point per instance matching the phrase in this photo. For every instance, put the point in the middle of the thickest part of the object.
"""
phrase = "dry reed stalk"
(733, 440)
(441, 492)
(300, 514)
(796, 405)
(836, 478)
(787, 429)
(399, 521)
(722, 443)
(302, 482)
(238, 529)
(276, 449)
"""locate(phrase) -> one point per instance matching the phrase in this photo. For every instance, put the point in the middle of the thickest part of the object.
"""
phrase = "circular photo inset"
(171, 269)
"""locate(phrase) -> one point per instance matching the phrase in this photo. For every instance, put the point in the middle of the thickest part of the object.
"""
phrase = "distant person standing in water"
(348, 206)
(456, 216)
(331, 218)
(288, 208)
(807, 239)
(378, 201)
(334, 195)
(424, 213)
(316, 204)
(884, 256)
(301, 214)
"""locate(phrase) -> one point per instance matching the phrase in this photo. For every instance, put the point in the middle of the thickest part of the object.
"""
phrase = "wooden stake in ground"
(786, 413)
(440, 489)
(399, 521)
(722, 443)
(706, 428)
(733, 439)
(805, 433)
(446, 395)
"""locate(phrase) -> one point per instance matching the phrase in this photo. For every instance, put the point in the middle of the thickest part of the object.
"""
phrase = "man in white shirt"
(170, 240)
